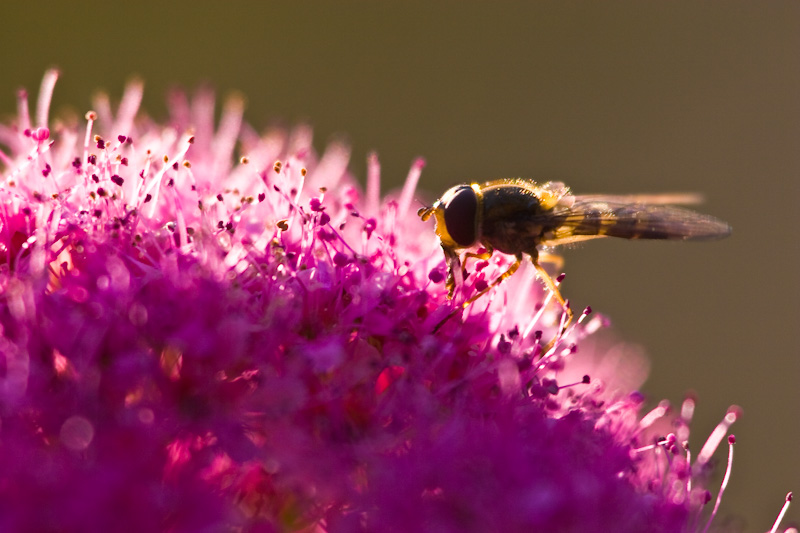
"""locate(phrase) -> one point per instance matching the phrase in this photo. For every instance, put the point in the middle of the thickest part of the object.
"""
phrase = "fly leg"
(454, 269)
(553, 288)
(508, 273)
(551, 259)
(482, 256)
(513, 268)
(457, 267)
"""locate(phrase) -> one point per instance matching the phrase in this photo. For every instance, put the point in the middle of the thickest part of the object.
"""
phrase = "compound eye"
(460, 215)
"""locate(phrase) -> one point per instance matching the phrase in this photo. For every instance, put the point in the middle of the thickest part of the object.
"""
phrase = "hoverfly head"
(457, 216)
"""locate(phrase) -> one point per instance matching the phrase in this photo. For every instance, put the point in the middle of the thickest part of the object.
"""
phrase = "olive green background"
(614, 97)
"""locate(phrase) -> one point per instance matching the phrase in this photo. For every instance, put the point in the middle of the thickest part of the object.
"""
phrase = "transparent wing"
(670, 198)
(627, 217)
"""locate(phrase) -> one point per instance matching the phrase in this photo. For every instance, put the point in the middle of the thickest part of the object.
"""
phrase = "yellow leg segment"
(455, 263)
(551, 286)
(508, 273)
(484, 256)
(555, 260)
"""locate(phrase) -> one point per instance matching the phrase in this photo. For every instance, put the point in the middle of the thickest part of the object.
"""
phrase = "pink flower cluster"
(192, 342)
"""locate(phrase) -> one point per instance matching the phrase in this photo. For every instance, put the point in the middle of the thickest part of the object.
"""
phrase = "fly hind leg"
(556, 261)
(553, 288)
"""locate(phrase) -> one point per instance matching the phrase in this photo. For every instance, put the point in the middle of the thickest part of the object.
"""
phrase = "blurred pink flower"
(194, 342)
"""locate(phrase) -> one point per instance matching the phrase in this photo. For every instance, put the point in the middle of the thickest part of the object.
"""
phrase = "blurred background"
(615, 97)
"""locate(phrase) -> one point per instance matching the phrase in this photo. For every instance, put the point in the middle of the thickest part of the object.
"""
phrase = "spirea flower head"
(213, 329)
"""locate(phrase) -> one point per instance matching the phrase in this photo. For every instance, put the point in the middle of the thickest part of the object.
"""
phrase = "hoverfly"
(518, 216)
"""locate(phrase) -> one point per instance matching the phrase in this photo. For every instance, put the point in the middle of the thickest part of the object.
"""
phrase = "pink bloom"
(194, 342)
